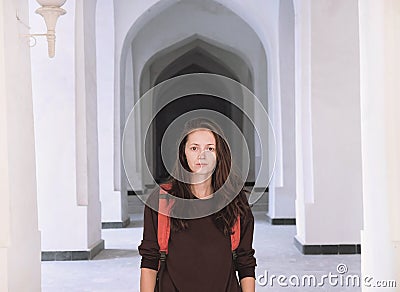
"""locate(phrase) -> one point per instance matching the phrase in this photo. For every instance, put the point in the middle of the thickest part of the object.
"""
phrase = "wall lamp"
(50, 10)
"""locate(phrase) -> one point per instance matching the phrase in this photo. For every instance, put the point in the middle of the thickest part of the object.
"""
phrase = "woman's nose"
(202, 154)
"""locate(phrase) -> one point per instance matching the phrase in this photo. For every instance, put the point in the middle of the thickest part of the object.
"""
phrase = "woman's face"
(200, 152)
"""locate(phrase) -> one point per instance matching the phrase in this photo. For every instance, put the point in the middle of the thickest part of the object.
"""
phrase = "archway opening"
(197, 59)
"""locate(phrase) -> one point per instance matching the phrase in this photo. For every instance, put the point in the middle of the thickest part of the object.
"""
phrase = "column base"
(118, 224)
(327, 249)
(136, 193)
(281, 221)
(74, 255)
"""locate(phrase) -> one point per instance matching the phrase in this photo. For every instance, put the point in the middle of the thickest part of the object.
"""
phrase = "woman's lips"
(202, 164)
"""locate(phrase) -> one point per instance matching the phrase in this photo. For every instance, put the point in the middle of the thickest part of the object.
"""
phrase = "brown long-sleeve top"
(200, 257)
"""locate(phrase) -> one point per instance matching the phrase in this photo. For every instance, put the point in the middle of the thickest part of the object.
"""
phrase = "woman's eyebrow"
(199, 144)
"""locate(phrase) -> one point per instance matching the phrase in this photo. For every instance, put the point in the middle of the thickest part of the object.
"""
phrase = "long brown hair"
(227, 216)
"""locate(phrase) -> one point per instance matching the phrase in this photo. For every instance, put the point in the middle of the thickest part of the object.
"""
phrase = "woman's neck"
(202, 189)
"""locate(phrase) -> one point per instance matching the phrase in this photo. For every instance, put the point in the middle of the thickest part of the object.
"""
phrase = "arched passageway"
(201, 49)
(197, 56)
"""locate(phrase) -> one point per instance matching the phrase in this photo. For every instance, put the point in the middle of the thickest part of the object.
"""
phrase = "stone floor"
(116, 268)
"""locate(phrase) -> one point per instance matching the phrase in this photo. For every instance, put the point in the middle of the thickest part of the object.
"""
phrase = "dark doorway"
(179, 107)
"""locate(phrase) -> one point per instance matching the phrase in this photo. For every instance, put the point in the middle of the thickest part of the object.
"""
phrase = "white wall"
(111, 199)
(64, 93)
(19, 237)
(282, 190)
(86, 117)
(328, 141)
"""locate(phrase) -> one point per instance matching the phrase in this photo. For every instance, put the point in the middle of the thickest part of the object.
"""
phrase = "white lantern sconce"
(50, 10)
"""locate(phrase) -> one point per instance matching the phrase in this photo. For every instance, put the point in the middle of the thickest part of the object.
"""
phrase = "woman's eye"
(194, 148)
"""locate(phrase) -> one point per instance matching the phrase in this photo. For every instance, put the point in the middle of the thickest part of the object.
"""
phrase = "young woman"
(199, 250)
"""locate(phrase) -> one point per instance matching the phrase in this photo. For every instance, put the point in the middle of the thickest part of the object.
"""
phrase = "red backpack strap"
(235, 237)
(164, 207)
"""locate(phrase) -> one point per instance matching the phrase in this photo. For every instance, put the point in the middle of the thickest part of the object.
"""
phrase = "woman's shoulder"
(152, 199)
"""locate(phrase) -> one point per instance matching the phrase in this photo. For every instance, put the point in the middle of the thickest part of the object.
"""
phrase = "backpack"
(164, 227)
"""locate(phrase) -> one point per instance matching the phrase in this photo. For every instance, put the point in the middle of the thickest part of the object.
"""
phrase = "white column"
(112, 214)
(19, 236)
(282, 190)
(380, 113)
(64, 93)
(328, 140)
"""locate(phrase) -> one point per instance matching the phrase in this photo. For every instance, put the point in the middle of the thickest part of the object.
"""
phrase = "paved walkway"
(116, 269)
